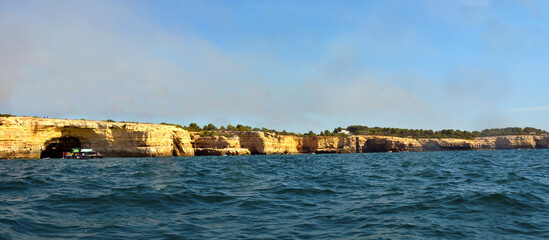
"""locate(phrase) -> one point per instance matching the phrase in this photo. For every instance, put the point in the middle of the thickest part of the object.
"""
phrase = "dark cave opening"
(56, 147)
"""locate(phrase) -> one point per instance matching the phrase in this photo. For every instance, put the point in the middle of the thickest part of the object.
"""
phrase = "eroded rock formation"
(450, 144)
(25, 137)
(270, 143)
(218, 146)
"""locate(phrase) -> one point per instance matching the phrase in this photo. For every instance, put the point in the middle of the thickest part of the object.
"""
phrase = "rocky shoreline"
(32, 138)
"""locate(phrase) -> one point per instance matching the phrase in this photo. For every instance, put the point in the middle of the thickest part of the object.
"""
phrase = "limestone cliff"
(216, 142)
(26, 137)
(270, 143)
(221, 151)
(515, 142)
(391, 144)
(542, 142)
(334, 144)
(452, 144)
(323, 144)
(218, 146)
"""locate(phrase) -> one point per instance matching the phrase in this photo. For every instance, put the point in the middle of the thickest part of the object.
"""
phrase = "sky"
(292, 65)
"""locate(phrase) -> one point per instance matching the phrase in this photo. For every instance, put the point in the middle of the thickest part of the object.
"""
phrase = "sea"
(500, 194)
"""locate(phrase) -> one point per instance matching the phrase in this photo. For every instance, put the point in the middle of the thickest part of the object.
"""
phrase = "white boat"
(84, 153)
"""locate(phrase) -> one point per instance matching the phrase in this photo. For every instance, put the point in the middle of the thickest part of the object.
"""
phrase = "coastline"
(33, 138)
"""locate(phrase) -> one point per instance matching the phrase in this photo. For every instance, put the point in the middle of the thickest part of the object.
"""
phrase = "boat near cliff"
(84, 153)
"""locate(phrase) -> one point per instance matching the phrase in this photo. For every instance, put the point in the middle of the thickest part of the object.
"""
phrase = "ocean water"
(426, 195)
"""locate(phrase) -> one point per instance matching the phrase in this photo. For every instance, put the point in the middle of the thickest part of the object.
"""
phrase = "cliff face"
(216, 142)
(270, 143)
(450, 144)
(334, 144)
(542, 142)
(391, 144)
(515, 142)
(218, 146)
(25, 137)
(322, 144)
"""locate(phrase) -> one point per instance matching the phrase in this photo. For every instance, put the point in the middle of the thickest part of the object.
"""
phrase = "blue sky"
(287, 65)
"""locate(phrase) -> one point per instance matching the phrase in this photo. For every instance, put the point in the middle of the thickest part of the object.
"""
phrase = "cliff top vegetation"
(212, 130)
(445, 133)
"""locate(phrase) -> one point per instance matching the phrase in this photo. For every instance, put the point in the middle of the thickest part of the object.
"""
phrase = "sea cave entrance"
(55, 147)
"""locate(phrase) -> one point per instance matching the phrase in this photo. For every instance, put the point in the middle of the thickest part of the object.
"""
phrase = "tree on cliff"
(210, 127)
(243, 128)
(326, 133)
(511, 131)
(444, 133)
(194, 127)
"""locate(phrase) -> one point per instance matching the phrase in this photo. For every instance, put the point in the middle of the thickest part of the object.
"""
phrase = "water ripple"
(448, 195)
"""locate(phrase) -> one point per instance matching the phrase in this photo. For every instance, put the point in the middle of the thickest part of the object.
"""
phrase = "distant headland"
(33, 138)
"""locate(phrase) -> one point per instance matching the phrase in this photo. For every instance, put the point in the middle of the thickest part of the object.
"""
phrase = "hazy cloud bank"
(102, 60)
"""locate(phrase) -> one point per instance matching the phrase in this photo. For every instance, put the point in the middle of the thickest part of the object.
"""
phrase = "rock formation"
(270, 143)
(218, 146)
(542, 142)
(515, 142)
(450, 144)
(25, 137)
(392, 144)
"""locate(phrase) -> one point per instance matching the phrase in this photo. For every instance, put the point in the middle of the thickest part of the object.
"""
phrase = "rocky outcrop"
(218, 146)
(26, 137)
(542, 142)
(392, 144)
(221, 151)
(216, 142)
(258, 143)
(515, 142)
(450, 144)
(270, 143)
(325, 144)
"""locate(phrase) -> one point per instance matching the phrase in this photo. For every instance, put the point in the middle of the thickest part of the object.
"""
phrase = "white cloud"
(103, 60)
(73, 63)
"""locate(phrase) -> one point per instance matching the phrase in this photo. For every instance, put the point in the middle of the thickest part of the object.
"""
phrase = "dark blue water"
(441, 195)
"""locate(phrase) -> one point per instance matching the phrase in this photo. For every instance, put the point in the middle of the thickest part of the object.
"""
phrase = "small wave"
(303, 191)
(14, 186)
(459, 195)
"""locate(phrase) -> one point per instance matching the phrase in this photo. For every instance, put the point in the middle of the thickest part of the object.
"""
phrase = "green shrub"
(193, 127)
(207, 133)
(210, 127)
(444, 133)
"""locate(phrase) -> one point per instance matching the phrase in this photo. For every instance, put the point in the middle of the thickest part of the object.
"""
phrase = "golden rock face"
(25, 137)
(30, 138)
(270, 143)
